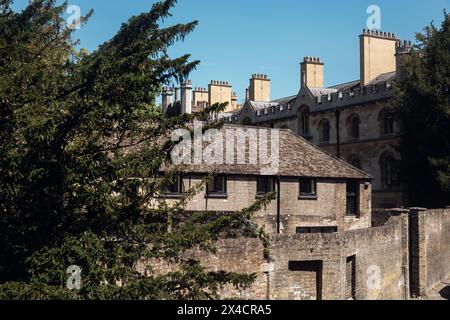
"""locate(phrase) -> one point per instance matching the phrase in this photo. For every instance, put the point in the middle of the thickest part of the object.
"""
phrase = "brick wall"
(430, 249)
(306, 267)
(328, 210)
(437, 237)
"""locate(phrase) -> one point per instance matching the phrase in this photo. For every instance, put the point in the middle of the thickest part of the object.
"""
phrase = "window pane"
(217, 185)
(388, 124)
(211, 186)
(326, 132)
(352, 187)
(260, 188)
(307, 187)
(355, 128)
(351, 205)
(352, 198)
(177, 186)
(265, 185)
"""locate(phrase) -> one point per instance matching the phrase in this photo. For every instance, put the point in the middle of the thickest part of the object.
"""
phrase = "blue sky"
(236, 38)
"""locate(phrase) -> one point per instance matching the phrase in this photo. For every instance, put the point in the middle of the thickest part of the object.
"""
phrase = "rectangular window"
(308, 188)
(217, 186)
(310, 230)
(176, 187)
(265, 185)
(352, 198)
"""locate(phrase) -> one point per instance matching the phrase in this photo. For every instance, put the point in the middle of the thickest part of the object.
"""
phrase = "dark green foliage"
(423, 107)
(81, 139)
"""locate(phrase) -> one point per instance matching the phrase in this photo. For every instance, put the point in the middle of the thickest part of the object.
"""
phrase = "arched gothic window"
(389, 171)
(325, 129)
(304, 122)
(353, 127)
(387, 121)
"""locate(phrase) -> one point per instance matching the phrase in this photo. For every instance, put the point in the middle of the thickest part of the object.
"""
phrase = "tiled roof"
(298, 158)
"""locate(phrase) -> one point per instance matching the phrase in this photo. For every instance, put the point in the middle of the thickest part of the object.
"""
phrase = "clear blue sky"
(236, 38)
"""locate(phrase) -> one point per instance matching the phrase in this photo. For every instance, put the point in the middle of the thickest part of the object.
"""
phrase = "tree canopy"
(71, 192)
(423, 107)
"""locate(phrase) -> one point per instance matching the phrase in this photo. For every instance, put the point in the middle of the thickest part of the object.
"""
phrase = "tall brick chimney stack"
(259, 88)
(312, 72)
(377, 51)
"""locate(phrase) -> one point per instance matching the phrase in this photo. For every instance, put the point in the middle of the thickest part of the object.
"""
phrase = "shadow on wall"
(445, 293)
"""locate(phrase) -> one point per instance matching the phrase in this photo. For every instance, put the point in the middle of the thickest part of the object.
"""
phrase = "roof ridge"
(343, 83)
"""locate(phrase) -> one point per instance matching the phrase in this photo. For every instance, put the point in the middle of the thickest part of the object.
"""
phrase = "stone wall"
(309, 267)
(430, 249)
(381, 217)
(437, 237)
(406, 254)
(379, 272)
(328, 210)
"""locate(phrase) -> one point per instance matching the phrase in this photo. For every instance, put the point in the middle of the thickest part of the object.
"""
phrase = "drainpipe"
(278, 205)
(338, 134)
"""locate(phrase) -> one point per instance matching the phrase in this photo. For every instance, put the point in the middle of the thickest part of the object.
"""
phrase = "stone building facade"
(352, 120)
(325, 241)
(316, 192)
(187, 99)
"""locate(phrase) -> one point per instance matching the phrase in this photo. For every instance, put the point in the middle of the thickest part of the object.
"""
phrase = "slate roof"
(284, 100)
(298, 158)
(347, 86)
(318, 92)
(385, 77)
(258, 105)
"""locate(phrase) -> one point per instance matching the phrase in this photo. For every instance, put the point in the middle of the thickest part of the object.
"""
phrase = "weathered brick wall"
(378, 252)
(380, 217)
(301, 267)
(437, 242)
(380, 267)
